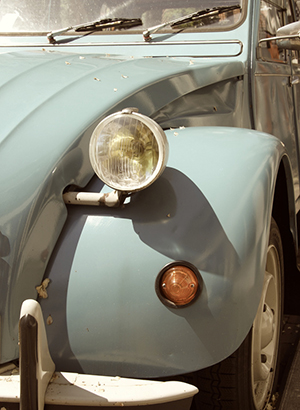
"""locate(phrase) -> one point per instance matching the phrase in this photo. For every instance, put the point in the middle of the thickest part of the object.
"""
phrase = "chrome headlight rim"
(160, 139)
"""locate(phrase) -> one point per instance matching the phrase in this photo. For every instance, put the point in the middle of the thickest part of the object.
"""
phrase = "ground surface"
(288, 397)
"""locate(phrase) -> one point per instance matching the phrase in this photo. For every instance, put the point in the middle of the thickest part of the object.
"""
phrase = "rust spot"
(54, 377)
(49, 320)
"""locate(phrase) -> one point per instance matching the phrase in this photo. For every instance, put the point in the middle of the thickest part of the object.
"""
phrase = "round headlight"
(128, 151)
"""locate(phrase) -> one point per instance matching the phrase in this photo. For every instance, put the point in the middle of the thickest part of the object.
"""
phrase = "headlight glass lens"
(128, 151)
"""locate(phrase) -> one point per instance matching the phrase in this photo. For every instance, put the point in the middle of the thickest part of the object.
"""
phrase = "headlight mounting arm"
(111, 199)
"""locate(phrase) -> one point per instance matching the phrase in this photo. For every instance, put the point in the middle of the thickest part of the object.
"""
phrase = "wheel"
(247, 379)
(266, 329)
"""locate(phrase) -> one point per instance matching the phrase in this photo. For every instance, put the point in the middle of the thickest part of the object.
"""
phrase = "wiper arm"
(190, 18)
(97, 25)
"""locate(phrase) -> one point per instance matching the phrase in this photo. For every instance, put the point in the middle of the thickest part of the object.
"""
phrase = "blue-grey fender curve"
(50, 152)
(212, 208)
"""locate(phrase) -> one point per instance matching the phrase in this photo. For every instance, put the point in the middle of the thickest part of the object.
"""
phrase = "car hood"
(50, 103)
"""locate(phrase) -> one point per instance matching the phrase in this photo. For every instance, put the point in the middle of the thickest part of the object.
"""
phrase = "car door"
(295, 85)
(274, 93)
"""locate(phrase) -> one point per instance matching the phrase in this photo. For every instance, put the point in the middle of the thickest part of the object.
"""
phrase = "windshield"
(48, 15)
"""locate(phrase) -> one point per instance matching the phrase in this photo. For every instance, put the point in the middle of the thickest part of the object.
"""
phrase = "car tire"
(247, 379)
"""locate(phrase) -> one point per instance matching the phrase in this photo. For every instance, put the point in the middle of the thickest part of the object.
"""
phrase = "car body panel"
(275, 109)
(231, 123)
(179, 217)
(60, 158)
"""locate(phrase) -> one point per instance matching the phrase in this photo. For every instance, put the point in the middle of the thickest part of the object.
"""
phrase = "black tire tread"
(217, 385)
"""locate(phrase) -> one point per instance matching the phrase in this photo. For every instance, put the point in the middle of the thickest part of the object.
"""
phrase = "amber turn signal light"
(178, 284)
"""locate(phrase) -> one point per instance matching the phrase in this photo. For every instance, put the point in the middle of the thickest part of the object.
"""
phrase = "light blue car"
(149, 155)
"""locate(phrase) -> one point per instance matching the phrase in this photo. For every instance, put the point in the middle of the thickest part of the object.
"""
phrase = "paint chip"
(41, 290)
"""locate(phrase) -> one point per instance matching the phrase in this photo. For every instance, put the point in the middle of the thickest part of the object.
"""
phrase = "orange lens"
(179, 284)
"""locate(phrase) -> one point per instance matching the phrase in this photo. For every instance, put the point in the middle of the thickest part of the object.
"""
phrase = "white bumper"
(41, 385)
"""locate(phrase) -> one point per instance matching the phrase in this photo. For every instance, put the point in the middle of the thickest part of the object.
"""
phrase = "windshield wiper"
(97, 25)
(190, 18)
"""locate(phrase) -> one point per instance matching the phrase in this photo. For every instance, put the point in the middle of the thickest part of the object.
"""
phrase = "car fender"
(50, 152)
(211, 207)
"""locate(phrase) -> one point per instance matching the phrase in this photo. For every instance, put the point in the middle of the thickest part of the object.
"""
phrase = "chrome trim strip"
(137, 43)
(271, 75)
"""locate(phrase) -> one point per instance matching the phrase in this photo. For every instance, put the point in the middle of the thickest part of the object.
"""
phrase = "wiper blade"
(97, 25)
(190, 18)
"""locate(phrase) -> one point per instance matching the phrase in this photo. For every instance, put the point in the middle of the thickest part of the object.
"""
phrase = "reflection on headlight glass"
(127, 151)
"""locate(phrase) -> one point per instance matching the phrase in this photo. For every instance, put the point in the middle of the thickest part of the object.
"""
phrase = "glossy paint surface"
(54, 155)
(211, 206)
(113, 318)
